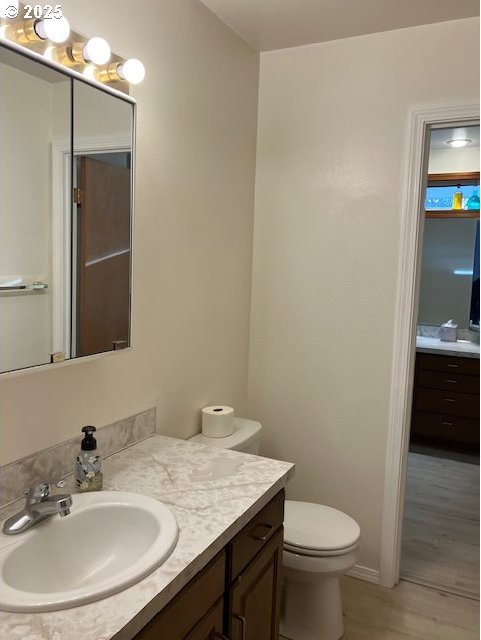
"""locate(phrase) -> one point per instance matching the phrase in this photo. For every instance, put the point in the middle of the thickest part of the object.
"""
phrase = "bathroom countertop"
(213, 494)
(461, 348)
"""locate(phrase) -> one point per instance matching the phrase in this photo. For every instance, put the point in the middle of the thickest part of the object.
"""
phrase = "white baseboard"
(364, 573)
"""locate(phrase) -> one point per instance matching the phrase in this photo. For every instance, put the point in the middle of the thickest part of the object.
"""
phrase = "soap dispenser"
(88, 463)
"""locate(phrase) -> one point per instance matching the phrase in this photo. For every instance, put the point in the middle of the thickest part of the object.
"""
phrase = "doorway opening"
(440, 538)
(407, 484)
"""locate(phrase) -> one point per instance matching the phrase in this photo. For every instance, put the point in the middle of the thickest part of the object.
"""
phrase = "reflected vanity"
(65, 215)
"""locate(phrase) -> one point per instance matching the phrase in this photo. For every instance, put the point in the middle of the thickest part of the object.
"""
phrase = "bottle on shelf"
(458, 199)
(473, 202)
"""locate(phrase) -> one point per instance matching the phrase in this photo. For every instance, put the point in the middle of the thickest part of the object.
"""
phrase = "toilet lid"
(318, 528)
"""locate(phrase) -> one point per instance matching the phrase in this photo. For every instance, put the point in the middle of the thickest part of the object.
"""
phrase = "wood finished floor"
(440, 545)
(407, 612)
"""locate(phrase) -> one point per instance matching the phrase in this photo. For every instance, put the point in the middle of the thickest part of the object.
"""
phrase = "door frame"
(62, 224)
(405, 323)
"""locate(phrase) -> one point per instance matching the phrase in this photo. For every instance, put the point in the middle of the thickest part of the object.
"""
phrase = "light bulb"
(96, 50)
(132, 71)
(54, 29)
(8, 9)
(49, 53)
(6, 32)
(460, 142)
(89, 72)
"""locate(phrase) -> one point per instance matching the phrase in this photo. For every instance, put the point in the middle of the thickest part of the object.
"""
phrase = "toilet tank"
(246, 437)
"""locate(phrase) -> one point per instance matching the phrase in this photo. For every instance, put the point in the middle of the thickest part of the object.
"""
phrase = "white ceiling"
(277, 24)
(439, 137)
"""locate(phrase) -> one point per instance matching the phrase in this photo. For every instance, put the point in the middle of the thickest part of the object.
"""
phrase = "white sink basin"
(110, 540)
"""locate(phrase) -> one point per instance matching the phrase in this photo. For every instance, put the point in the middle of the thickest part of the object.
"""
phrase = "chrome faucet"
(40, 506)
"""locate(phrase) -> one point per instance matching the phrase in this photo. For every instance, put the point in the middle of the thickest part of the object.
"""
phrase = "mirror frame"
(75, 75)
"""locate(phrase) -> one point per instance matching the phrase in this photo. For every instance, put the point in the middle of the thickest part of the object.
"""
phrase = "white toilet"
(320, 545)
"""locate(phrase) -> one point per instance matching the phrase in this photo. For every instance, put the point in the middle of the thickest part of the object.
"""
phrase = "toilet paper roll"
(218, 421)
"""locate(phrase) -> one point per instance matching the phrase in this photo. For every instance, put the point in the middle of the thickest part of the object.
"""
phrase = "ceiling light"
(459, 142)
(54, 29)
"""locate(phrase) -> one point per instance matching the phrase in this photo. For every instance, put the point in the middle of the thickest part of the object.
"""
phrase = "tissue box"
(448, 334)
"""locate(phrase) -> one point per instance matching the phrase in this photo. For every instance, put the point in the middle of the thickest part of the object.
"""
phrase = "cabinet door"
(196, 601)
(255, 595)
(211, 625)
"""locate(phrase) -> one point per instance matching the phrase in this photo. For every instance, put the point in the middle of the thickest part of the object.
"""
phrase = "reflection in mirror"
(447, 271)
(65, 215)
(101, 221)
(34, 114)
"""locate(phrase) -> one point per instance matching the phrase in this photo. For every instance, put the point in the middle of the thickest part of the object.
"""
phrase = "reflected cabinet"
(66, 180)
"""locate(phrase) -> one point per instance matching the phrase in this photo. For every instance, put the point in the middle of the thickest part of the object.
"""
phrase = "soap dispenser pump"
(88, 463)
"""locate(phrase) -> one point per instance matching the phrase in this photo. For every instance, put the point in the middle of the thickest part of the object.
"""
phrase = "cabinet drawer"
(448, 381)
(446, 428)
(451, 364)
(256, 534)
(190, 605)
(457, 404)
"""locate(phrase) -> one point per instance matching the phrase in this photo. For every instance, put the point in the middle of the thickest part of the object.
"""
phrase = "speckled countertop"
(213, 494)
(461, 348)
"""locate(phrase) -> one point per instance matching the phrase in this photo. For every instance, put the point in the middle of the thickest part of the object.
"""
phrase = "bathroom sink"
(110, 541)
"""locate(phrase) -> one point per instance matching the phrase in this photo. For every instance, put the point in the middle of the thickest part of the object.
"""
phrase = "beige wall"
(196, 139)
(331, 146)
(453, 160)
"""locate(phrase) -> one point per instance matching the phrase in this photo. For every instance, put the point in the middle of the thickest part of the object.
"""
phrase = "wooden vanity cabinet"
(237, 596)
(211, 625)
(254, 597)
(194, 612)
(446, 402)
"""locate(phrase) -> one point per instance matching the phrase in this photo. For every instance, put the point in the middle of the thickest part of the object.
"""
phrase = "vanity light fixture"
(91, 57)
(132, 71)
(459, 142)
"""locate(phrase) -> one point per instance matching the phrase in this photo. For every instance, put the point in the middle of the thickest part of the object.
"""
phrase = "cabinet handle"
(451, 381)
(453, 366)
(269, 528)
(448, 424)
(221, 636)
(449, 400)
(243, 622)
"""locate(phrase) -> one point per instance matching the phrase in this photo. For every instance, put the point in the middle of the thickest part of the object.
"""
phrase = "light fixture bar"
(51, 37)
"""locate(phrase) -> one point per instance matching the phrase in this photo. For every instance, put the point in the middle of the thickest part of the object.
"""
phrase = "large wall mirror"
(65, 215)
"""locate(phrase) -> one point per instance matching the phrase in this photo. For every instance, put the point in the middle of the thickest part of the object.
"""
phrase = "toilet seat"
(318, 553)
(318, 531)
